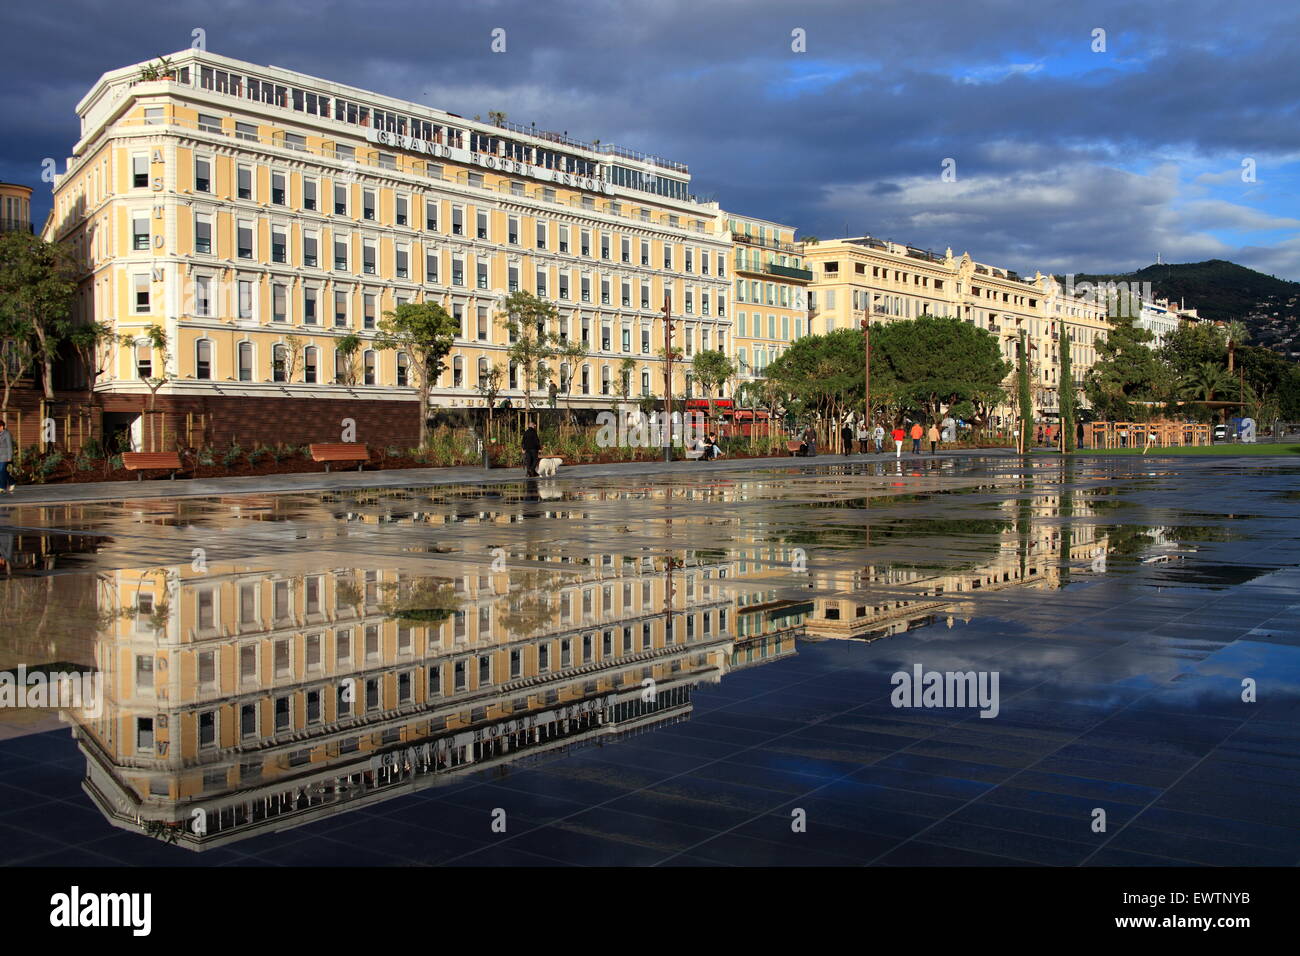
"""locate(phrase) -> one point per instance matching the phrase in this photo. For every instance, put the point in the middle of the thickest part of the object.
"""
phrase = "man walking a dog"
(532, 451)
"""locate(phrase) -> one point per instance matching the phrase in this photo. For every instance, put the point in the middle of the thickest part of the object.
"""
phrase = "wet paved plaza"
(685, 669)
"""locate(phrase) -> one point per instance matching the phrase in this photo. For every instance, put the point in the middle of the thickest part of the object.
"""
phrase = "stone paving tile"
(1119, 689)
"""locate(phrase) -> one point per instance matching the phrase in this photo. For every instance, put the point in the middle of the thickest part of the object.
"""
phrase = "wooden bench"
(340, 451)
(142, 461)
(793, 447)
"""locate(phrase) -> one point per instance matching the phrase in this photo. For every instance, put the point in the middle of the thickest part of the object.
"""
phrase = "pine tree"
(1067, 394)
(1026, 399)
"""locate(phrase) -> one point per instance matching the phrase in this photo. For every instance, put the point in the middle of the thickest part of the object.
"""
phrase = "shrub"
(232, 454)
(257, 454)
(205, 456)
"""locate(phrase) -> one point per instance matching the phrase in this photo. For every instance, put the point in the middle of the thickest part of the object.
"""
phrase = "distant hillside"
(1269, 307)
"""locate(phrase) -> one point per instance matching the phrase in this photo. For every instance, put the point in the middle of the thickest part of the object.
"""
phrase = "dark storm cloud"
(1063, 155)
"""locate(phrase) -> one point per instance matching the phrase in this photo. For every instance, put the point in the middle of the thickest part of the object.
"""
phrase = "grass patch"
(1258, 449)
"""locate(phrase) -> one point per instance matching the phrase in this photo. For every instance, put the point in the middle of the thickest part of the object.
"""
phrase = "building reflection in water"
(246, 697)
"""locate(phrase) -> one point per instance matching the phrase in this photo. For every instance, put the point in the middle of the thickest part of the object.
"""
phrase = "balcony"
(789, 272)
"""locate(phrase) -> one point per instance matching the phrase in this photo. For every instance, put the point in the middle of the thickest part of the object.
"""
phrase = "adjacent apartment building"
(259, 217)
(863, 278)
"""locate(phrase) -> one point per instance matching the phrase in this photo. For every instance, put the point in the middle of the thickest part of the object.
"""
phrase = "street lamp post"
(668, 375)
(866, 338)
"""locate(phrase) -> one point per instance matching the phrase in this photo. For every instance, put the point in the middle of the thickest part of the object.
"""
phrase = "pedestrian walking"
(6, 458)
(878, 433)
(898, 435)
(917, 433)
(862, 437)
(810, 439)
(1038, 435)
(933, 436)
(532, 451)
(846, 439)
(1078, 434)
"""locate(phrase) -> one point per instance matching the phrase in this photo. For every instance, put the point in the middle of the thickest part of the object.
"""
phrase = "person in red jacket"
(898, 435)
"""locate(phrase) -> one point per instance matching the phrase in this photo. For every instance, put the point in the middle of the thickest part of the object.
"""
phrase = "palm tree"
(498, 117)
(1205, 382)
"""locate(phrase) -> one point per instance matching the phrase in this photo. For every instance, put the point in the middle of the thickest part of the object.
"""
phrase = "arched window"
(203, 359)
(368, 366)
(403, 369)
(143, 360)
(645, 382)
(586, 380)
(482, 370)
(564, 376)
(310, 359)
(245, 361)
(458, 372)
(604, 380)
(279, 364)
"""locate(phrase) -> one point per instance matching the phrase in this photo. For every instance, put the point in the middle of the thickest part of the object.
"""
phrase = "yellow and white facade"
(258, 216)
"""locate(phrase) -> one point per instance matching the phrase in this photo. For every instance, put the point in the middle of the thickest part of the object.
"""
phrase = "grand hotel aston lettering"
(487, 161)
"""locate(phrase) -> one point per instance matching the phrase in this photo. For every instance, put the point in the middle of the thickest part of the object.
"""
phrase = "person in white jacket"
(878, 435)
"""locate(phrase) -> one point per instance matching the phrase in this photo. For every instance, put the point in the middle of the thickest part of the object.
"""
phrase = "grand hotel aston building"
(261, 217)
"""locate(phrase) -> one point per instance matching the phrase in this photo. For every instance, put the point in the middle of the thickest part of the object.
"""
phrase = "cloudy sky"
(1180, 138)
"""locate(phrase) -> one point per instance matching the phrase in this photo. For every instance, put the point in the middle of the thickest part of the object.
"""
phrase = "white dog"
(547, 467)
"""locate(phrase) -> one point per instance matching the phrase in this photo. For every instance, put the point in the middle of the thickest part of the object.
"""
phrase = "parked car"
(1220, 432)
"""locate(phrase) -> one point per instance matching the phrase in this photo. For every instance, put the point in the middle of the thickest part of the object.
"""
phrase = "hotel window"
(604, 246)
(209, 123)
(543, 657)
(368, 311)
(431, 216)
(244, 179)
(279, 373)
(458, 372)
(309, 306)
(144, 733)
(625, 292)
(457, 270)
(690, 303)
(244, 292)
(401, 211)
(541, 283)
(245, 361)
(277, 189)
(645, 252)
(541, 235)
(481, 273)
(627, 338)
(586, 242)
(403, 263)
(340, 199)
(457, 221)
(202, 176)
(340, 309)
(202, 233)
(309, 362)
(668, 255)
(203, 295)
(341, 253)
(203, 359)
(143, 360)
(343, 646)
(645, 295)
(481, 224)
(512, 277)
(585, 288)
(516, 189)
(140, 231)
(279, 303)
(367, 204)
(309, 194)
(309, 249)
(564, 289)
(140, 171)
(279, 245)
(512, 229)
(431, 265)
(645, 383)
(645, 341)
(604, 380)
(368, 257)
(141, 302)
(605, 338)
(690, 260)
(368, 367)
(482, 324)
(281, 714)
(244, 237)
